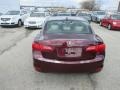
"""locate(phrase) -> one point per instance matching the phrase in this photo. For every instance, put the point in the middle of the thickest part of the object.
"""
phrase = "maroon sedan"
(68, 44)
(111, 21)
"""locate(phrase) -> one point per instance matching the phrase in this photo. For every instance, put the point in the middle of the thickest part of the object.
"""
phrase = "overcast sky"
(106, 4)
(12, 4)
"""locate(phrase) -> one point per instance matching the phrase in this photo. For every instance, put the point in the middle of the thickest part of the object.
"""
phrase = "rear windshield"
(67, 27)
(116, 17)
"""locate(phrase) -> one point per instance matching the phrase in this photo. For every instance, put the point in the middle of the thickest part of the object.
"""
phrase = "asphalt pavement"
(17, 72)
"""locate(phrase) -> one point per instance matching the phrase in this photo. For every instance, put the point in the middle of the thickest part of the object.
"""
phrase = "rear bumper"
(47, 65)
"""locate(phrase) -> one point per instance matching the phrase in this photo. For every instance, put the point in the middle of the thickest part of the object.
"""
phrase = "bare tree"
(90, 5)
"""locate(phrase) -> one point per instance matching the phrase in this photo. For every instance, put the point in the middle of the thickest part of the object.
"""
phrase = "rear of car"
(68, 45)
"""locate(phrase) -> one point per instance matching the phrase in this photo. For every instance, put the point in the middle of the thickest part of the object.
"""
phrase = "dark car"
(111, 21)
(68, 44)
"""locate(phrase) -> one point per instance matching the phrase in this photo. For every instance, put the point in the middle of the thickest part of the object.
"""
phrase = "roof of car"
(66, 17)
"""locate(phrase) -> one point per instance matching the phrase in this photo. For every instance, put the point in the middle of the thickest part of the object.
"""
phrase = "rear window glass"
(67, 27)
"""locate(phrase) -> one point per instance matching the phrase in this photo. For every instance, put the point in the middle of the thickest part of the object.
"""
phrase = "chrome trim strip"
(97, 59)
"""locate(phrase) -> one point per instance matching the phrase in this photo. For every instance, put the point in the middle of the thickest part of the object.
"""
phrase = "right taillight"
(96, 48)
(40, 47)
(101, 48)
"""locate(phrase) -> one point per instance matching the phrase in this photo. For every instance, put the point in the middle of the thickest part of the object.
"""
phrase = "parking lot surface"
(17, 72)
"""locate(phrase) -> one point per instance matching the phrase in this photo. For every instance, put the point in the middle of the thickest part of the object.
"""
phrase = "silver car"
(85, 16)
(98, 15)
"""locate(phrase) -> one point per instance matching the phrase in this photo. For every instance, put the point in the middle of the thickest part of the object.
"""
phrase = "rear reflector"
(40, 47)
(98, 48)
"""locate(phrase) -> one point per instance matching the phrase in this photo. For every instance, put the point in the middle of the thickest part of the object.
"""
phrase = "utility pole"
(119, 7)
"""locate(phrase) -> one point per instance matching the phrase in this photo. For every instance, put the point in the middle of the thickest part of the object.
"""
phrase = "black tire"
(19, 23)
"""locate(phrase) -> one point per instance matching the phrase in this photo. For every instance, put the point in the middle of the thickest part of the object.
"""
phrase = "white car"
(35, 20)
(12, 18)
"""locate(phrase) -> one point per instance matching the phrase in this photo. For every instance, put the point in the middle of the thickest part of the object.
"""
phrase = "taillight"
(101, 48)
(40, 47)
(98, 48)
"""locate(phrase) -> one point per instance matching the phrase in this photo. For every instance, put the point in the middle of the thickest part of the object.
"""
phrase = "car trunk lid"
(69, 47)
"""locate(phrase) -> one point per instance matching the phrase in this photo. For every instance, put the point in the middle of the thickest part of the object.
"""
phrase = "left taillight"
(41, 47)
(96, 48)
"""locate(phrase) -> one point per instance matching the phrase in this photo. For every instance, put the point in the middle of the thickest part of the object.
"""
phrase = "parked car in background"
(98, 15)
(12, 18)
(35, 20)
(68, 44)
(85, 15)
(111, 21)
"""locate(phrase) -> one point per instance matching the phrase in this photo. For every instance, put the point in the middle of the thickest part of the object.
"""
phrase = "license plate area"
(69, 52)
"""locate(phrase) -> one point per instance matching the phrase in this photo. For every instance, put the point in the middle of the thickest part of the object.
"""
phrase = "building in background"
(50, 3)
